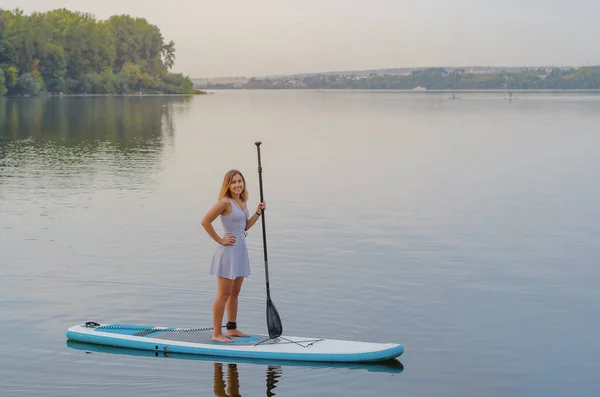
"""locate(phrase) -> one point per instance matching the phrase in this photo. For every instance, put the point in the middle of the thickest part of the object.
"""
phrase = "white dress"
(232, 261)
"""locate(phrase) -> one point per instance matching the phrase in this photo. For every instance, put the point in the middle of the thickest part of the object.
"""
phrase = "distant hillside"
(231, 82)
(452, 78)
(407, 71)
(242, 81)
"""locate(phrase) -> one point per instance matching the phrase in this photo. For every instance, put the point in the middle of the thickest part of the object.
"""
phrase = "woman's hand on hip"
(227, 240)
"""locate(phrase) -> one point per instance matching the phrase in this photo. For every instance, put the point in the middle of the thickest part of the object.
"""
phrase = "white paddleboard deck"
(198, 341)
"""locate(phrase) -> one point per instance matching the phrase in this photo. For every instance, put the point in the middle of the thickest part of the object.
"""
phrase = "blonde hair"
(227, 179)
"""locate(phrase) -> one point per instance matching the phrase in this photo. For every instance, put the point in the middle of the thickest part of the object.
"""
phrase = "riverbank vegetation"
(68, 52)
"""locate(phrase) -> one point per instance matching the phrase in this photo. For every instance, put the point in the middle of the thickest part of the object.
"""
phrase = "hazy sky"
(260, 37)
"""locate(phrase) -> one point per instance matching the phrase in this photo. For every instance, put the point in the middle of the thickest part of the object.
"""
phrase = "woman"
(230, 262)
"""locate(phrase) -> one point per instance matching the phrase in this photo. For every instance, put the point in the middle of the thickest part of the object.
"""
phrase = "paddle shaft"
(273, 319)
(264, 229)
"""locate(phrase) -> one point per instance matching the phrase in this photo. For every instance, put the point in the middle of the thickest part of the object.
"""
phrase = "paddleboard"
(392, 366)
(254, 346)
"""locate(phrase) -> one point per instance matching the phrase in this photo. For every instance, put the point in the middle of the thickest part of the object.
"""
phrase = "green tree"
(53, 67)
(11, 75)
(29, 85)
(168, 55)
(3, 89)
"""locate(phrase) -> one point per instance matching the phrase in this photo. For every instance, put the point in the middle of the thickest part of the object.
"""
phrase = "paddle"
(273, 320)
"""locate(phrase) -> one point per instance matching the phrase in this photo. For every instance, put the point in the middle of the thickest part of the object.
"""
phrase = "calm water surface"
(466, 229)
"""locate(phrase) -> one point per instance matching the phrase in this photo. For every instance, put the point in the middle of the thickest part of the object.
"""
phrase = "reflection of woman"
(233, 389)
(233, 379)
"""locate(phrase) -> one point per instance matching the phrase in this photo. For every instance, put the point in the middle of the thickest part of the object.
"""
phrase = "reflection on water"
(230, 385)
(273, 375)
(126, 122)
(227, 373)
(466, 230)
(75, 139)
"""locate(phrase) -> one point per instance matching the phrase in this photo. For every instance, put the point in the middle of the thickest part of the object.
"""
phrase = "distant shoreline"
(404, 90)
(349, 90)
(119, 95)
(98, 96)
(438, 79)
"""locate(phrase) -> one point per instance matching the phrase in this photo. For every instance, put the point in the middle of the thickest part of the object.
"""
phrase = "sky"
(221, 38)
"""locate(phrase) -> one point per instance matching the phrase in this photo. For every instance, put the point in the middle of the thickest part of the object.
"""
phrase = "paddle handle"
(264, 228)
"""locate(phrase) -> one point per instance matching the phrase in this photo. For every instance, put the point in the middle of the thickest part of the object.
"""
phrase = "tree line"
(63, 51)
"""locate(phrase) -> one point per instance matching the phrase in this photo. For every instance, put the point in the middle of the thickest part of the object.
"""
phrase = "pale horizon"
(266, 37)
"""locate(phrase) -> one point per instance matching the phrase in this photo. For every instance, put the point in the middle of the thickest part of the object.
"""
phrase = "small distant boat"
(419, 88)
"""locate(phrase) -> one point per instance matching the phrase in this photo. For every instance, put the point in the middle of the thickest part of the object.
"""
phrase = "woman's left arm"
(252, 220)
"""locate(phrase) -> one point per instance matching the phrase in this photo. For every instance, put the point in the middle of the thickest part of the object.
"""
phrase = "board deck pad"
(198, 341)
(186, 335)
(205, 337)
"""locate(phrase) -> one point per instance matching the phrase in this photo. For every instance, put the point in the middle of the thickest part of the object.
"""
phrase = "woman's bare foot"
(221, 338)
(235, 332)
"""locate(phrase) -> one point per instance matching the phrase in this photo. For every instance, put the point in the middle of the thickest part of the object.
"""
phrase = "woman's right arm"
(209, 218)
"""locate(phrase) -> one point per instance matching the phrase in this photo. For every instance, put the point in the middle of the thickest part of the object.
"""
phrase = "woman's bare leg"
(232, 306)
(224, 287)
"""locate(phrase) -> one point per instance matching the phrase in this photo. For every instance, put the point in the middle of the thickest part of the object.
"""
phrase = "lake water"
(467, 230)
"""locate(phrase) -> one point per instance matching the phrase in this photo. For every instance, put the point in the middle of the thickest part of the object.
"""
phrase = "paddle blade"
(273, 320)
